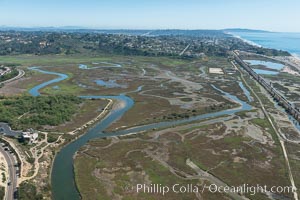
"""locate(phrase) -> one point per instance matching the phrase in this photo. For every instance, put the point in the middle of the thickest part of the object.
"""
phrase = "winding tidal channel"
(62, 176)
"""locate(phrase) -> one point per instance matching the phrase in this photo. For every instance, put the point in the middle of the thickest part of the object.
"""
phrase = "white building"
(31, 136)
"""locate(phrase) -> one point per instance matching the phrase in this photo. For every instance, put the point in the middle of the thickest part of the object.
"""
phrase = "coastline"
(271, 42)
(120, 105)
(244, 40)
(293, 60)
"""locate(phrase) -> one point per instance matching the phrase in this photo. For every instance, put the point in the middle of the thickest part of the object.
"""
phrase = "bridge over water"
(295, 112)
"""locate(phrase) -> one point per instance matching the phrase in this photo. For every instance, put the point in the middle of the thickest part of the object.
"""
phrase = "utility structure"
(282, 101)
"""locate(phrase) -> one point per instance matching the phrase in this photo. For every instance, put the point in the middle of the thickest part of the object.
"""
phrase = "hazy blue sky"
(276, 15)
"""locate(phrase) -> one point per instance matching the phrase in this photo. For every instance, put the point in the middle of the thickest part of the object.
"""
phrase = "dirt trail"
(37, 154)
(105, 110)
(207, 176)
(279, 135)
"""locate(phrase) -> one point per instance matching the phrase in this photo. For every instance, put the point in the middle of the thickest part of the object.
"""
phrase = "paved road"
(6, 130)
(12, 186)
(20, 75)
(184, 50)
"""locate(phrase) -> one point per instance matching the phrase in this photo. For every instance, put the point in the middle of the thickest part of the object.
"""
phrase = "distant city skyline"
(276, 15)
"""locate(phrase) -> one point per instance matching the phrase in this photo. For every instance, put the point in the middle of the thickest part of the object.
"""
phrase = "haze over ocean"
(285, 41)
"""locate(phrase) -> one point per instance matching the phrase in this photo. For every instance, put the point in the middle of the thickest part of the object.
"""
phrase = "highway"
(281, 99)
(20, 75)
(12, 184)
(278, 133)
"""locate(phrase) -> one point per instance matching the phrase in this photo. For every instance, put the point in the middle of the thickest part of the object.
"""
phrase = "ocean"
(285, 41)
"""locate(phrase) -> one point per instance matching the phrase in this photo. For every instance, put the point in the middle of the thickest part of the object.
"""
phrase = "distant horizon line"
(102, 28)
(140, 29)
